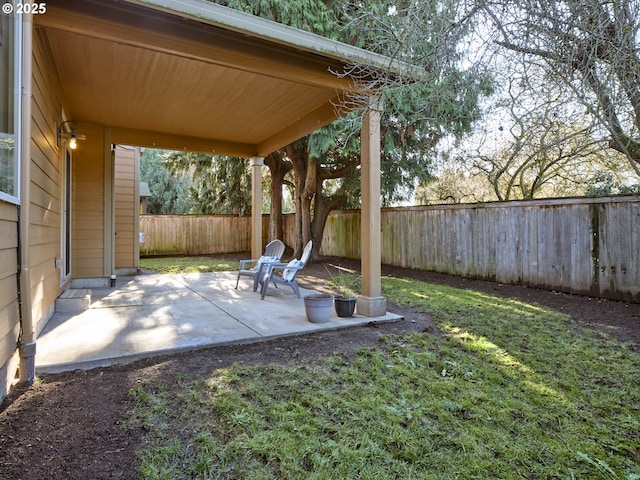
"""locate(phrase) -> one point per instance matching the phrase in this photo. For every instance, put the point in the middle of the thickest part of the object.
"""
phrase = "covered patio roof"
(193, 75)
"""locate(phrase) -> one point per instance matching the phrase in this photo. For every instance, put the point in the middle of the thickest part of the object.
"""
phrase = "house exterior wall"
(44, 205)
(126, 193)
(89, 197)
(9, 321)
(46, 177)
(88, 212)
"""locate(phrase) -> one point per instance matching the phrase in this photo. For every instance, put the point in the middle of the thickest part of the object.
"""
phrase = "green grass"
(188, 264)
(503, 389)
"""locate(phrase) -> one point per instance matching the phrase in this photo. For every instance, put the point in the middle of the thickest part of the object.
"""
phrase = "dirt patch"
(68, 425)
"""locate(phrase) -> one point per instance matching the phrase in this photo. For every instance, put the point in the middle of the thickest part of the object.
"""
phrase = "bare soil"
(68, 426)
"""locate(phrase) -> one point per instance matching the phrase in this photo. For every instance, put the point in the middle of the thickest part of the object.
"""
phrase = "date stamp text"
(21, 8)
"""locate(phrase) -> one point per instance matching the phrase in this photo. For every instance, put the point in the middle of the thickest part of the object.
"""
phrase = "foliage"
(315, 16)
(605, 184)
(505, 389)
(219, 185)
(169, 192)
(346, 284)
(442, 101)
(325, 164)
(335, 149)
(7, 164)
(454, 186)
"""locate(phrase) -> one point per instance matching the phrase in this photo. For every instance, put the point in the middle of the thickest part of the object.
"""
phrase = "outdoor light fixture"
(72, 136)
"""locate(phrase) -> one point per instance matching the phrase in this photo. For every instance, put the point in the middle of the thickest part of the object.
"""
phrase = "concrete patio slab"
(151, 315)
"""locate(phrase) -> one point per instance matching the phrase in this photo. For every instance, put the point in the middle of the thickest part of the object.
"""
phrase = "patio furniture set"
(269, 268)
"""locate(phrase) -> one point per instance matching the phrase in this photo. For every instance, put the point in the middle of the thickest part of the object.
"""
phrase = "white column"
(371, 303)
(256, 206)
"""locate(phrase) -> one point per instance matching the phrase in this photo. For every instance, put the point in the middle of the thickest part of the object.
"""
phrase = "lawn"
(188, 264)
(499, 389)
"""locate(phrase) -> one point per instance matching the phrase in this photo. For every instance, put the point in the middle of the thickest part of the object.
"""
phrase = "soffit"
(159, 79)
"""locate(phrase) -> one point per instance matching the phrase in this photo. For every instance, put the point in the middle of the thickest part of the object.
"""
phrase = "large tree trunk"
(278, 166)
(322, 209)
(297, 153)
(312, 207)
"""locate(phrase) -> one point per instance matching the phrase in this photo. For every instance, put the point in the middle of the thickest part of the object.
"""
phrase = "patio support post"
(256, 206)
(371, 303)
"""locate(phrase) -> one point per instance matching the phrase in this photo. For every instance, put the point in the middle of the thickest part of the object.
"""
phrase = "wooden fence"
(196, 234)
(583, 246)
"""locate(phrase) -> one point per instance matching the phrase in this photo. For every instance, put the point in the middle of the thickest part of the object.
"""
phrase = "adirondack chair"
(285, 273)
(255, 267)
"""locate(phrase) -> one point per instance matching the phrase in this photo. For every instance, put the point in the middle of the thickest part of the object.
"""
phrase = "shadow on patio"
(151, 315)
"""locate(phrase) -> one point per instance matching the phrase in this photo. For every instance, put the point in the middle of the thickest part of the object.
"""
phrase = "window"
(10, 69)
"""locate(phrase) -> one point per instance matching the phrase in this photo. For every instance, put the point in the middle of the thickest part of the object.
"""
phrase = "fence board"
(195, 234)
(584, 246)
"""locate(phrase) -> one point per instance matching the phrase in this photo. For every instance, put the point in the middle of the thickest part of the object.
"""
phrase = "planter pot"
(318, 307)
(345, 306)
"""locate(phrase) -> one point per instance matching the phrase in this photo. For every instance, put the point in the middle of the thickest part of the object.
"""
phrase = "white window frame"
(17, 111)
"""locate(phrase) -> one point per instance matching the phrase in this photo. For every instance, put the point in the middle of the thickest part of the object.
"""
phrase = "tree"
(326, 155)
(607, 183)
(170, 193)
(548, 148)
(323, 168)
(219, 185)
(590, 48)
(279, 166)
(325, 165)
(315, 16)
(454, 186)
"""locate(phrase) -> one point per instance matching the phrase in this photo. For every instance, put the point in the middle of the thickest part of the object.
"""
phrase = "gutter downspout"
(27, 344)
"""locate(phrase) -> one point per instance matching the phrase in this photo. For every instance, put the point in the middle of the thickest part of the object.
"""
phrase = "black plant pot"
(344, 306)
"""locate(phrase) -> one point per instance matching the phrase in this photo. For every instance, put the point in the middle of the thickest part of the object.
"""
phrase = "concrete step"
(73, 300)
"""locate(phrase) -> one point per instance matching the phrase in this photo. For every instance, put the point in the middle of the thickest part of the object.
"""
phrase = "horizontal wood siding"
(45, 173)
(9, 321)
(126, 206)
(44, 215)
(87, 210)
